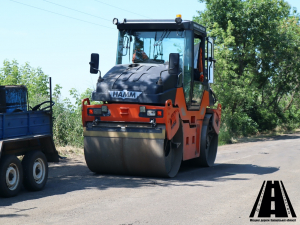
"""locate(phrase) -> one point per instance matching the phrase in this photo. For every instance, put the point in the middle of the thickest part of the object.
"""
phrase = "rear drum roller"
(35, 167)
(11, 176)
(208, 144)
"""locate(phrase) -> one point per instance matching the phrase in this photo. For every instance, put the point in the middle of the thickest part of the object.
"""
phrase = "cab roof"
(166, 24)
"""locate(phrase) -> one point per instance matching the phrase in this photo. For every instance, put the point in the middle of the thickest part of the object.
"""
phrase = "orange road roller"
(155, 106)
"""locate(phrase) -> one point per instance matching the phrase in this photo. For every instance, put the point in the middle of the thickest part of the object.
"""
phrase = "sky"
(59, 36)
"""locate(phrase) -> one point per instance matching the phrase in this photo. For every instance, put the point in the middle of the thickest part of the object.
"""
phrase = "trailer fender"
(48, 148)
(22, 145)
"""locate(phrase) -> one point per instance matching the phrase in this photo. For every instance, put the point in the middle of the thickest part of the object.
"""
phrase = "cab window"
(198, 88)
(188, 67)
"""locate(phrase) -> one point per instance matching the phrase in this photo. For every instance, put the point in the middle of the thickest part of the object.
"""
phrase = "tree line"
(257, 69)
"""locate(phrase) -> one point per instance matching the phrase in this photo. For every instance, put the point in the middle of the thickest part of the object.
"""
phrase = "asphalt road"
(223, 194)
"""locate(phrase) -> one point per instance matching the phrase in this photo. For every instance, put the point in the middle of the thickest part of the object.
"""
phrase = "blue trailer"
(25, 134)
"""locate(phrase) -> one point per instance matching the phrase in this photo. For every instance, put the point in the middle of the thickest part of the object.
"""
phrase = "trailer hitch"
(153, 122)
(96, 121)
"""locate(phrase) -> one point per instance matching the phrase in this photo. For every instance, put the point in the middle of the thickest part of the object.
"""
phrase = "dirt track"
(223, 194)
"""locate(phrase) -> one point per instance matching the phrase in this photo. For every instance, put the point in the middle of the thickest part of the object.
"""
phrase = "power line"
(62, 15)
(77, 10)
(123, 9)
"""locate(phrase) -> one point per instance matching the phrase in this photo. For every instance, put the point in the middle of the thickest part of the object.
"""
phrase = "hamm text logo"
(124, 94)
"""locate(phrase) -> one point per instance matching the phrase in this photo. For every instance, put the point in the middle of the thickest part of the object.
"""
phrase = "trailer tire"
(11, 176)
(35, 168)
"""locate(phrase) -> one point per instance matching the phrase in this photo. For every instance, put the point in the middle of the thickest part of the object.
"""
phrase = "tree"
(258, 62)
(36, 81)
(67, 125)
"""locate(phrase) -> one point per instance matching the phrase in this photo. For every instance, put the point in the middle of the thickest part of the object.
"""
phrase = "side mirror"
(94, 63)
(210, 59)
(174, 63)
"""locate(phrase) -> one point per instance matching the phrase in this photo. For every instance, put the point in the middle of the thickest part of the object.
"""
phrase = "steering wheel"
(37, 107)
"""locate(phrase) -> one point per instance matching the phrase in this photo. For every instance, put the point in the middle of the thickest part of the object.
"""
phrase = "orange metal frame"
(172, 113)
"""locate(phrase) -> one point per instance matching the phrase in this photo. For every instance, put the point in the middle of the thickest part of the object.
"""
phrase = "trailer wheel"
(208, 144)
(35, 167)
(11, 176)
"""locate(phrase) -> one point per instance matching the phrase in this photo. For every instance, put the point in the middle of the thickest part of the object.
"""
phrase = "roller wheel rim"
(39, 171)
(12, 177)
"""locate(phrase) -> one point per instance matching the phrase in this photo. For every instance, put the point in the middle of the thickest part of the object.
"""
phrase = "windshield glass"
(149, 46)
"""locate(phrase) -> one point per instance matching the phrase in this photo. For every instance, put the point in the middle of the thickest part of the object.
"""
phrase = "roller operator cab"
(158, 105)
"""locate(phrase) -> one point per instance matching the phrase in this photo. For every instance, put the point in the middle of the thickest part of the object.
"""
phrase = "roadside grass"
(263, 136)
(69, 151)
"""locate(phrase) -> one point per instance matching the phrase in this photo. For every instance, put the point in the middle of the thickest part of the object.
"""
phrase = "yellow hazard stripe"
(113, 134)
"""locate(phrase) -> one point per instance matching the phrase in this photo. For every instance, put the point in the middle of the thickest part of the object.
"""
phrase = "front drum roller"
(134, 156)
